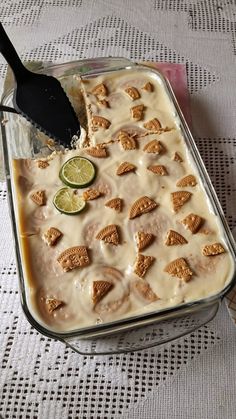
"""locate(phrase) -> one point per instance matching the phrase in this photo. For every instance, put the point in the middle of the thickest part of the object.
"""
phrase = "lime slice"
(67, 201)
(77, 172)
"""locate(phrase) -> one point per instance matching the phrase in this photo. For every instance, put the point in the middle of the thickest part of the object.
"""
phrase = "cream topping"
(44, 276)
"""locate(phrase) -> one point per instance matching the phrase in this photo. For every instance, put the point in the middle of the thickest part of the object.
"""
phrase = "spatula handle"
(10, 55)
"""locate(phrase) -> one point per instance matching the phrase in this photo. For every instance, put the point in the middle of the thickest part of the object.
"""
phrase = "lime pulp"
(68, 201)
(77, 172)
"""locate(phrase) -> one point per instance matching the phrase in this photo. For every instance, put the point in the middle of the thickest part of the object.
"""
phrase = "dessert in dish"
(122, 226)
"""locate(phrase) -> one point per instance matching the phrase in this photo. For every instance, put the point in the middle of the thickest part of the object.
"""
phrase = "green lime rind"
(68, 202)
(77, 172)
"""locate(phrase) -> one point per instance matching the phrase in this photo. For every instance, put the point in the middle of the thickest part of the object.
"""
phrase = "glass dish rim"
(154, 316)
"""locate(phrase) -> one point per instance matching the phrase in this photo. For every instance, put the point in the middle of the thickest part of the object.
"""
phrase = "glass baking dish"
(133, 333)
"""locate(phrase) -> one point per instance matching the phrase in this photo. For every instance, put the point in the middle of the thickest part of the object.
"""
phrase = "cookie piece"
(109, 234)
(143, 240)
(115, 203)
(193, 222)
(51, 236)
(38, 197)
(173, 238)
(98, 151)
(137, 112)
(100, 90)
(100, 122)
(152, 125)
(154, 146)
(103, 102)
(145, 291)
(188, 180)
(141, 206)
(91, 194)
(142, 264)
(52, 304)
(132, 92)
(127, 141)
(148, 87)
(177, 157)
(100, 289)
(158, 170)
(74, 257)
(42, 164)
(179, 199)
(180, 269)
(124, 168)
(213, 249)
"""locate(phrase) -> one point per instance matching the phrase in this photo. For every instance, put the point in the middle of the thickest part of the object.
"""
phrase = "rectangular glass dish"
(192, 260)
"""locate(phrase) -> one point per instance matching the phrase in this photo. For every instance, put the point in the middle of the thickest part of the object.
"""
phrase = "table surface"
(193, 377)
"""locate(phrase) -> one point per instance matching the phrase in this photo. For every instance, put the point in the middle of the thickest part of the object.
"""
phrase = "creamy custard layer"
(131, 292)
(117, 110)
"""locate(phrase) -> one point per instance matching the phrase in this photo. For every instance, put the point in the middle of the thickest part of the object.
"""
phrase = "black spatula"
(40, 98)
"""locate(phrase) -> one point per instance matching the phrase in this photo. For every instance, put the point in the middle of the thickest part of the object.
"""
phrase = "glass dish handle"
(143, 337)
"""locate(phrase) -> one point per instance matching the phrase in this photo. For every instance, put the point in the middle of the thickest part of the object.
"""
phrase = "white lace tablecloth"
(193, 377)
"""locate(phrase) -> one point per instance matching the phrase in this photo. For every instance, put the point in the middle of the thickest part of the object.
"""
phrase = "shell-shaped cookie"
(180, 269)
(127, 141)
(38, 197)
(213, 249)
(115, 203)
(141, 206)
(100, 289)
(188, 180)
(51, 236)
(177, 157)
(179, 199)
(148, 87)
(100, 90)
(193, 222)
(109, 234)
(173, 238)
(154, 146)
(158, 170)
(142, 264)
(74, 257)
(97, 151)
(137, 112)
(91, 193)
(132, 92)
(152, 125)
(100, 122)
(143, 239)
(124, 168)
